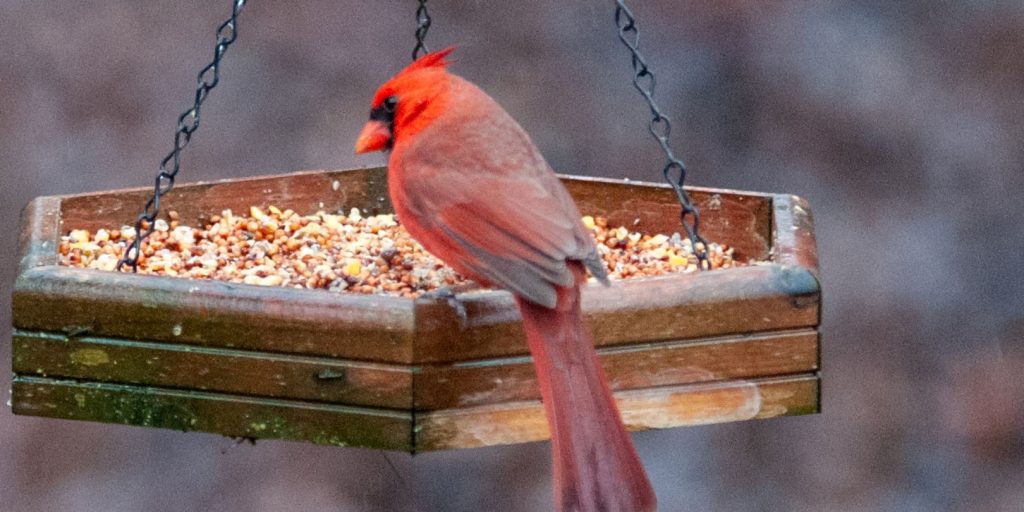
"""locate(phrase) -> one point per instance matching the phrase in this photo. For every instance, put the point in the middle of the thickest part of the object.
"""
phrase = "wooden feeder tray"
(403, 374)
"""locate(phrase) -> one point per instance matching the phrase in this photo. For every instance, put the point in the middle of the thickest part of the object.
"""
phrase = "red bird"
(468, 183)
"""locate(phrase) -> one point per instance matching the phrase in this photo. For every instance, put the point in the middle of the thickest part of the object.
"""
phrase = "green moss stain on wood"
(229, 415)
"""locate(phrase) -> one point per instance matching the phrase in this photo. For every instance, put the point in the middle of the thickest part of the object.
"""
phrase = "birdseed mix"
(369, 254)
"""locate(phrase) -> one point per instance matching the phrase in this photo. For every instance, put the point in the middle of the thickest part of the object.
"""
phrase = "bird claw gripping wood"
(449, 295)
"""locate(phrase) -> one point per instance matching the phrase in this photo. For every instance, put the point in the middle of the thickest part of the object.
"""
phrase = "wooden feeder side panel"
(743, 219)
(230, 415)
(489, 381)
(239, 372)
(690, 306)
(468, 427)
(304, 192)
(793, 233)
(644, 409)
(437, 386)
(40, 233)
(214, 313)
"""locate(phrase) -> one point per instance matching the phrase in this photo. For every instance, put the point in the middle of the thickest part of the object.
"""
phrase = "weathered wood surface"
(436, 386)
(304, 192)
(230, 415)
(743, 219)
(215, 314)
(40, 233)
(488, 381)
(213, 369)
(383, 329)
(507, 423)
(793, 233)
(685, 306)
(655, 408)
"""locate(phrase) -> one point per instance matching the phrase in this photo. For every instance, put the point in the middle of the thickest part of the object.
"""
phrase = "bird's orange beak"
(376, 136)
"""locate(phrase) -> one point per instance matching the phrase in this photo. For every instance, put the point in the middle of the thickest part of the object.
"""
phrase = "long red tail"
(596, 467)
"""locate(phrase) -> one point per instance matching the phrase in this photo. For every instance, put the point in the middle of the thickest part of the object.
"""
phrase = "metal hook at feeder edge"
(700, 246)
(687, 209)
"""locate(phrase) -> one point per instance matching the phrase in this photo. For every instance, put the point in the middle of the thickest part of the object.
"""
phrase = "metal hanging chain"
(660, 127)
(188, 123)
(422, 26)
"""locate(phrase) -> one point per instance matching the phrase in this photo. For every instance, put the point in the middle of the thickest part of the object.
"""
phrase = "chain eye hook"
(422, 26)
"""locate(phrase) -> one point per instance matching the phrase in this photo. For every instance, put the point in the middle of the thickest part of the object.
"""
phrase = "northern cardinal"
(468, 183)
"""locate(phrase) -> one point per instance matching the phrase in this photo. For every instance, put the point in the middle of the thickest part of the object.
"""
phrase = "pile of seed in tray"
(341, 252)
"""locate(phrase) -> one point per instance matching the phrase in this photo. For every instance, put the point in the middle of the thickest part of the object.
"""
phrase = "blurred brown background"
(901, 122)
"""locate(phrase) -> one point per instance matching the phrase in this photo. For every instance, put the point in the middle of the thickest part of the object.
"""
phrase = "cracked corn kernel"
(353, 268)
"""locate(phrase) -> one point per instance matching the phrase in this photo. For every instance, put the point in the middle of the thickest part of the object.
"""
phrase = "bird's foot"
(449, 295)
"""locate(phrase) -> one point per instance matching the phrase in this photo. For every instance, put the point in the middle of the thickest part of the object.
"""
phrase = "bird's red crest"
(431, 60)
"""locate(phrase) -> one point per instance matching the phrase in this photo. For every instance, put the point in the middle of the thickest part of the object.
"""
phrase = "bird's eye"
(390, 103)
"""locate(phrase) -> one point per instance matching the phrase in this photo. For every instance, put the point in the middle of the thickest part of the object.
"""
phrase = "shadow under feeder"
(403, 374)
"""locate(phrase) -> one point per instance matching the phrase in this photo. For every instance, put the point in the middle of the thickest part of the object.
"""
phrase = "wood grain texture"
(793, 233)
(743, 219)
(305, 192)
(214, 313)
(507, 423)
(646, 365)
(666, 407)
(684, 306)
(230, 415)
(437, 386)
(40, 233)
(213, 369)
(392, 329)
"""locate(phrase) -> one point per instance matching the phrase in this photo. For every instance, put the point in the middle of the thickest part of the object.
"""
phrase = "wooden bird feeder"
(401, 374)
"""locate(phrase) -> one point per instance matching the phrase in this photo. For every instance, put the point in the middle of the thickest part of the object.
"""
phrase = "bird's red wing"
(510, 229)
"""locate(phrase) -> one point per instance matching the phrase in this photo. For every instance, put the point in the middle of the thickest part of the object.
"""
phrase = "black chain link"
(188, 123)
(422, 26)
(661, 127)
